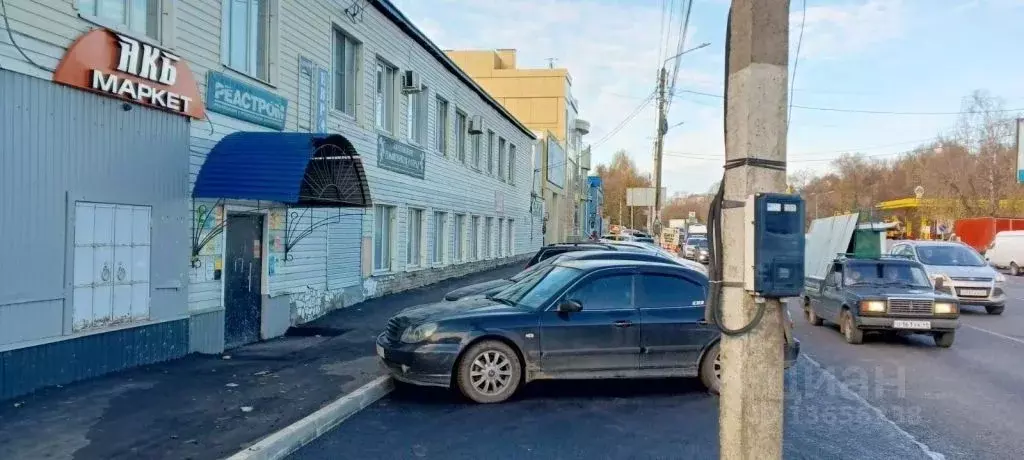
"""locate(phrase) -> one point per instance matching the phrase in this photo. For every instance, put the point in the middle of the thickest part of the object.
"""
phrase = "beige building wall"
(542, 100)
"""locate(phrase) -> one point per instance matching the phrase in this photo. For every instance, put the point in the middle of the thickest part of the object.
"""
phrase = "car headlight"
(419, 333)
(944, 308)
(1000, 278)
(872, 306)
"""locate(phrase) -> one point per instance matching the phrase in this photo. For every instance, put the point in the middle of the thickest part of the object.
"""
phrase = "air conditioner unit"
(411, 82)
(476, 124)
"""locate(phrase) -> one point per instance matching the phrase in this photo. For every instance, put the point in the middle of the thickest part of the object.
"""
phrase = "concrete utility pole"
(659, 145)
(659, 142)
(751, 404)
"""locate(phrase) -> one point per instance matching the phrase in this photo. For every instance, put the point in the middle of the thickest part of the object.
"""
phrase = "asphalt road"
(887, 398)
(963, 402)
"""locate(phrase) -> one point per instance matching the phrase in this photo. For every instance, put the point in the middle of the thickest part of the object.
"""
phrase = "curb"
(291, 438)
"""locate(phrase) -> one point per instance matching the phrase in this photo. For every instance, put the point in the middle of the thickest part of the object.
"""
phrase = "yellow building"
(542, 100)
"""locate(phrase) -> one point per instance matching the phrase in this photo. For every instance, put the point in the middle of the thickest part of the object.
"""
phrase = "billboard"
(555, 163)
(642, 196)
(1020, 150)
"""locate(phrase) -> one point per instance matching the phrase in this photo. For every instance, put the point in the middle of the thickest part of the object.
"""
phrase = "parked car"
(561, 248)
(882, 294)
(964, 273)
(578, 319)
(1007, 251)
(621, 252)
(662, 252)
(691, 249)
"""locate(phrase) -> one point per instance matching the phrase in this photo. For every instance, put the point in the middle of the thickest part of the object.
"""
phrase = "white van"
(1007, 251)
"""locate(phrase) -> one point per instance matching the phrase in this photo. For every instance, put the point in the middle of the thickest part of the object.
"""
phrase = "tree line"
(969, 171)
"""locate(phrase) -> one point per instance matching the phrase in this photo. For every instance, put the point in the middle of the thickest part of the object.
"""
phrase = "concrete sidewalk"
(208, 407)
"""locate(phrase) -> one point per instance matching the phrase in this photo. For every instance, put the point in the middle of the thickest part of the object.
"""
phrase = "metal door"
(242, 280)
(604, 336)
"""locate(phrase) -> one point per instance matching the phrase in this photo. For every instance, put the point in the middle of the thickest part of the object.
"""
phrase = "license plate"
(380, 352)
(974, 292)
(904, 324)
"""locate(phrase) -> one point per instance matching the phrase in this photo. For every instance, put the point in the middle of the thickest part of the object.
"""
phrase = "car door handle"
(702, 322)
(623, 323)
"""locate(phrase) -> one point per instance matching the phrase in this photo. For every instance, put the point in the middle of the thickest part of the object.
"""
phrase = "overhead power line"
(874, 112)
(796, 60)
(624, 122)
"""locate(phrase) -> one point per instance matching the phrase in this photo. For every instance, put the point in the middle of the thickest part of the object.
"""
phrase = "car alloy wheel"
(711, 369)
(490, 372)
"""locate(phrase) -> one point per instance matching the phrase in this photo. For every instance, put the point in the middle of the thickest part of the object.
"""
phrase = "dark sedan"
(494, 286)
(581, 319)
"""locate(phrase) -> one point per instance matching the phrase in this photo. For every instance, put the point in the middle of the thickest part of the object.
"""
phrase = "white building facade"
(342, 156)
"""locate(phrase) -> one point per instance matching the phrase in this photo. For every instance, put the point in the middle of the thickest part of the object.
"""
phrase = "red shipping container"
(978, 232)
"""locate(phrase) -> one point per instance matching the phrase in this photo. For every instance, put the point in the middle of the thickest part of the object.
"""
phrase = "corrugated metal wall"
(343, 250)
(62, 144)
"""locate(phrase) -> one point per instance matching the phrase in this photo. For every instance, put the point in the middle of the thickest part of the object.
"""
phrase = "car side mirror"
(939, 284)
(570, 306)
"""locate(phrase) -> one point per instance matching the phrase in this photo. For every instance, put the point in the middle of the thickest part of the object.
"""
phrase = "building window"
(508, 234)
(502, 158)
(501, 238)
(488, 227)
(383, 220)
(441, 122)
(437, 255)
(384, 101)
(345, 74)
(460, 233)
(460, 135)
(474, 238)
(414, 238)
(511, 164)
(142, 16)
(490, 152)
(477, 147)
(246, 36)
(416, 116)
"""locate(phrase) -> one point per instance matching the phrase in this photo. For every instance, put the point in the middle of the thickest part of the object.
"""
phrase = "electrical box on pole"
(774, 252)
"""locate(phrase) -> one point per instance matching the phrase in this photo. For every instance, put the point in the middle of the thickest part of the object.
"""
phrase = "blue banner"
(245, 102)
(321, 100)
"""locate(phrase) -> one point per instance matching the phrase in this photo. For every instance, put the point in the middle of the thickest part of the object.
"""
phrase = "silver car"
(961, 270)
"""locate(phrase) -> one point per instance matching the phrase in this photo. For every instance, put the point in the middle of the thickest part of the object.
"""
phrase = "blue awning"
(302, 169)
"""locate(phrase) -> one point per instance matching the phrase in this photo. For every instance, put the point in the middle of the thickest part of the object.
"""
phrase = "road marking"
(1015, 339)
(924, 447)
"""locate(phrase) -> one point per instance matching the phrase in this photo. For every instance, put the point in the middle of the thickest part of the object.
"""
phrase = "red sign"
(115, 65)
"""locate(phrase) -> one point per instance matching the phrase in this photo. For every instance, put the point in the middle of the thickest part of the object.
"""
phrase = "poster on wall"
(555, 163)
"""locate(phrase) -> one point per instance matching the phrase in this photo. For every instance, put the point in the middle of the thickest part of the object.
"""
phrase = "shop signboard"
(323, 80)
(115, 65)
(244, 101)
(400, 158)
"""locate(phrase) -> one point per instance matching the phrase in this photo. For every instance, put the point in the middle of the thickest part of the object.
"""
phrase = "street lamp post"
(816, 199)
(660, 138)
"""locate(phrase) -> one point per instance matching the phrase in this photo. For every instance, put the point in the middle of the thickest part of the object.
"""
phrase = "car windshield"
(949, 255)
(537, 287)
(882, 273)
(696, 241)
(701, 243)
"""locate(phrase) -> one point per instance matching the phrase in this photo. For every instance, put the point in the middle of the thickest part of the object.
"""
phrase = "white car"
(964, 273)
